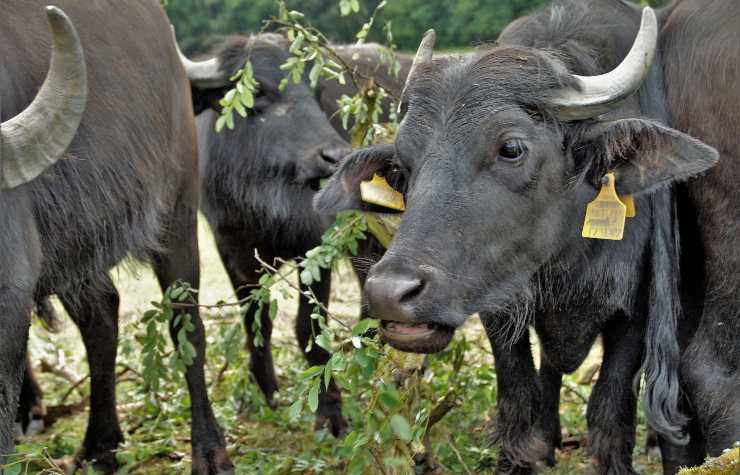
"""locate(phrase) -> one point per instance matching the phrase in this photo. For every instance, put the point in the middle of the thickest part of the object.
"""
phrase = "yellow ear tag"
(383, 226)
(378, 192)
(605, 216)
(629, 202)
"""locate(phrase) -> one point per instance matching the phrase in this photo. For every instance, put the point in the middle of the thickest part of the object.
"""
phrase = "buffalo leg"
(15, 318)
(676, 456)
(712, 377)
(613, 404)
(94, 309)
(30, 407)
(180, 262)
(524, 443)
(306, 328)
(551, 380)
(243, 269)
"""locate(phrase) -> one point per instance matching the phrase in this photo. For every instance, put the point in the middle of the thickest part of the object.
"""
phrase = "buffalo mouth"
(416, 337)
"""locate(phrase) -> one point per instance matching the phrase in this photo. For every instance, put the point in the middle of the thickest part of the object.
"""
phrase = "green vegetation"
(266, 441)
(459, 24)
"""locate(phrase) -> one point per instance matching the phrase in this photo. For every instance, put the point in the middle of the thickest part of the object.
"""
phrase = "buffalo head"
(501, 152)
(286, 133)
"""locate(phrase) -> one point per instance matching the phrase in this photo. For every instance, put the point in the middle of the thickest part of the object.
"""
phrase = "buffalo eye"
(261, 100)
(512, 150)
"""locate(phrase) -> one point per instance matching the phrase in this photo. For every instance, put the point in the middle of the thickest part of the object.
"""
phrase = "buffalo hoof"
(336, 423)
(330, 413)
(98, 461)
(212, 462)
(506, 467)
(271, 403)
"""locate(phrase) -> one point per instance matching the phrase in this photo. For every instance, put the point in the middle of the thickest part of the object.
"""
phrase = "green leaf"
(295, 409)
(313, 396)
(311, 372)
(364, 325)
(306, 277)
(390, 399)
(401, 427)
(323, 341)
(273, 309)
(327, 374)
(247, 98)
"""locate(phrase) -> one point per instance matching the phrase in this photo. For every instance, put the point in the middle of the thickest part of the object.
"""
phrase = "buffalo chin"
(417, 338)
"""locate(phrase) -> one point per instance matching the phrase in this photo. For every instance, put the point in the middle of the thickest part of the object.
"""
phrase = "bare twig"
(307, 293)
(458, 455)
(575, 392)
(47, 367)
(73, 387)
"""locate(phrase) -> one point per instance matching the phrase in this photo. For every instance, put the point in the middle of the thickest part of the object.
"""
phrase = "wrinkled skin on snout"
(496, 188)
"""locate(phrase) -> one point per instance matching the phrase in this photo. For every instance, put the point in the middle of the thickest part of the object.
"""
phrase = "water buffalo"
(502, 151)
(258, 181)
(89, 178)
(269, 212)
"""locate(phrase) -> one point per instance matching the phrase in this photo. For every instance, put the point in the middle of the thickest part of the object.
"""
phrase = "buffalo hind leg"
(711, 376)
(31, 406)
(675, 456)
(613, 404)
(243, 269)
(181, 262)
(94, 309)
(519, 427)
(306, 328)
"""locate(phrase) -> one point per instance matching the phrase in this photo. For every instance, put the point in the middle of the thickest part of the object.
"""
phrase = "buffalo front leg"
(519, 428)
(551, 379)
(94, 309)
(15, 318)
(307, 328)
(243, 269)
(180, 262)
(613, 404)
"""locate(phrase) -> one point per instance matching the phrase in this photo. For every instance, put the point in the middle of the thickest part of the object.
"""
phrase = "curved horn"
(35, 139)
(600, 94)
(423, 55)
(203, 74)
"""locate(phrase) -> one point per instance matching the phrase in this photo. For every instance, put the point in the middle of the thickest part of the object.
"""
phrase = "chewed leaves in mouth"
(416, 337)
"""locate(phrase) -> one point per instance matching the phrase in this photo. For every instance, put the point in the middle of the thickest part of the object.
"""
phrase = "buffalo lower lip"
(409, 330)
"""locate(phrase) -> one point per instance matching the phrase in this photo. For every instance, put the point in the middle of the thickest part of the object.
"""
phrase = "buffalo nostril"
(411, 291)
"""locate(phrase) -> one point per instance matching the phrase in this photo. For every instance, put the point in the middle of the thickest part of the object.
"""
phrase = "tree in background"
(460, 24)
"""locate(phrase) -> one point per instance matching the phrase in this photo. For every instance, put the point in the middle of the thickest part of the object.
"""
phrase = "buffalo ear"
(644, 154)
(342, 192)
(207, 98)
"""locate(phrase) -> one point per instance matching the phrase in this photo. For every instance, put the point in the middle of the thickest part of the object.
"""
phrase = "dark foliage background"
(459, 24)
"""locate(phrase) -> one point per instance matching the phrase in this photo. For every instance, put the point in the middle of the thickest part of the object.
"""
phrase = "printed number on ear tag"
(605, 216)
(378, 192)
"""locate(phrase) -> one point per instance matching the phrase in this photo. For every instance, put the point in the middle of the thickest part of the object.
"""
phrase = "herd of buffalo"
(108, 150)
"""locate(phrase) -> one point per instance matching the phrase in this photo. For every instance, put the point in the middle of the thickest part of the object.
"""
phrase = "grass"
(262, 440)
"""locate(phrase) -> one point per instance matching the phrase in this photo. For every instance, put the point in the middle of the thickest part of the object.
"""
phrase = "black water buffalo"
(261, 203)
(258, 181)
(503, 149)
(100, 165)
